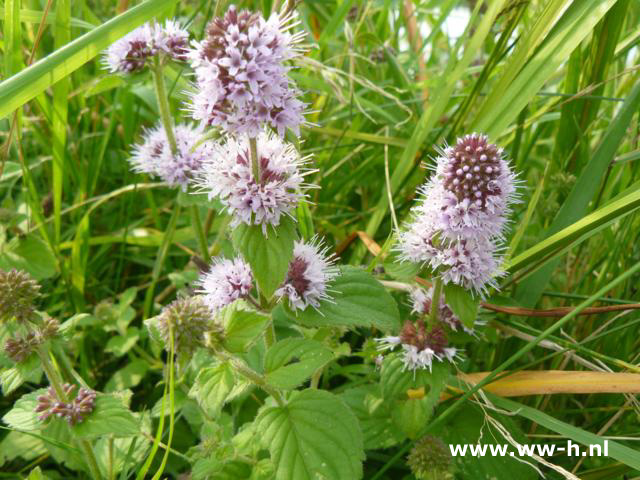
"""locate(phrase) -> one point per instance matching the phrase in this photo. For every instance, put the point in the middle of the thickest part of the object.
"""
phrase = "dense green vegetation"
(553, 82)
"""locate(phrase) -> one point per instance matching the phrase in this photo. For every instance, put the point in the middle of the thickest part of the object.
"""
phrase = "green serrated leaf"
(292, 361)
(212, 387)
(358, 300)
(242, 327)
(110, 416)
(314, 436)
(374, 415)
(269, 256)
(23, 416)
(31, 254)
(123, 343)
(28, 370)
(462, 303)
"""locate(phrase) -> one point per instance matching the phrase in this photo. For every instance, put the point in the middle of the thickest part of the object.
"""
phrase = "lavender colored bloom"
(153, 155)
(472, 263)
(227, 174)
(225, 282)
(172, 39)
(132, 52)
(241, 77)
(459, 221)
(477, 186)
(420, 347)
(310, 272)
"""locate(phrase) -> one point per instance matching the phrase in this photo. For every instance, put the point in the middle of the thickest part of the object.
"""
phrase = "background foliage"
(555, 82)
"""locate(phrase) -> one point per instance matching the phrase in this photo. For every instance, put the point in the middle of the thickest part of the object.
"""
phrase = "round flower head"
(241, 79)
(153, 155)
(188, 318)
(310, 272)
(18, 292)
(476, 186)
(18, 349)
(420, 347)
(472, 263)
(228, 175)
(73, 411)
(172, 39)
(225, 282)
(131, 52)
(430, 459)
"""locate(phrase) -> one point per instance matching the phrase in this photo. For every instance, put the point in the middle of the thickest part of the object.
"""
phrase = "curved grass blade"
(30, 82)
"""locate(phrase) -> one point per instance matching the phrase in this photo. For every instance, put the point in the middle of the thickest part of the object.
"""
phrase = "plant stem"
(270, 334)
(163, 104)
(160, 258)
(200, 234)
(56, 382)
(255, 163)
(252, 375)
(435, 302)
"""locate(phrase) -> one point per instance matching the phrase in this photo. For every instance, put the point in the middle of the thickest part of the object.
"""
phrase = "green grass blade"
(580, 230)
(504, 105)
(30, 82)
(583, 192)
(620, 452)
(60, 110)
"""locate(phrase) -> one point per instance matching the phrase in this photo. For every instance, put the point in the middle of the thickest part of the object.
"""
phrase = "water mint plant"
(221, 256)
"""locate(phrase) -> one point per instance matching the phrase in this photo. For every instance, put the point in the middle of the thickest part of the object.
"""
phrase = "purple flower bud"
(18, 349)
(74, 410)
(188, 318)
(131, 53)
(18, 292)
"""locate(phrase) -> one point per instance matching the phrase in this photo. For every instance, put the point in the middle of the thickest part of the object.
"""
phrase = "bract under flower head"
(241, 76)
(421, 303)
(228, 176)
(310, 272)
(153, 155)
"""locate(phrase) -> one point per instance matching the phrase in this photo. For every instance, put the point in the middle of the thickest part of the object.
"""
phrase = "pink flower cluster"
(242, 81)
(458, 225)
(131, 53)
